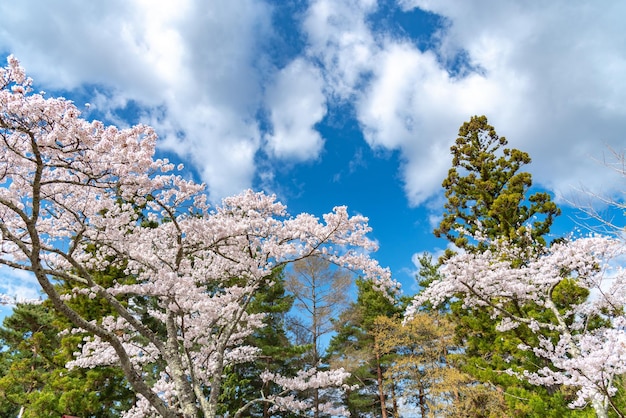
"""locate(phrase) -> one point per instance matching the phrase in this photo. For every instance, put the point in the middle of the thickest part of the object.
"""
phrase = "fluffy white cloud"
(196, 66)
(339, 37)
(296, 103)
(18, 285)
(121, 44)
(557, 70)
(548, 76)
(414, 106)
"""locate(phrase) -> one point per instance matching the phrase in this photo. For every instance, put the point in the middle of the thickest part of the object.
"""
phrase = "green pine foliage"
(488, 194)
(36, 347)
(485, 185)
(37, 343)
(278, 355)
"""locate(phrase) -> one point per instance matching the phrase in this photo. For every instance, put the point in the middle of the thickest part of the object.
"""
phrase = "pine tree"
(38, 343)
(486, 191)
(488, 194)
(36, 347)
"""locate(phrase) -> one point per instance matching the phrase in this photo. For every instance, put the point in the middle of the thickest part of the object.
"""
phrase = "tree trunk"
(396, 412)
(381, 389)
(601, 407)
(422, 397)
(316, 402)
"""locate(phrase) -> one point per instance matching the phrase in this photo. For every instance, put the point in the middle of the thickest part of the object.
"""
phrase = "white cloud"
(296, 103)
(412, 104)
(65, 44)
(211, 105)
(18, 285)
(404, 99)
(199, 64)
(338, 36)
(555, 78)
(550, 77)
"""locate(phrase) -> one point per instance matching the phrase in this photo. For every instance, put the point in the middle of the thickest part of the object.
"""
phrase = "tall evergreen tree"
(488, 194)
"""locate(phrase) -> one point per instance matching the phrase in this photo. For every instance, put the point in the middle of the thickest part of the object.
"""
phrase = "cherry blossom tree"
(77, 197)
(579, 286)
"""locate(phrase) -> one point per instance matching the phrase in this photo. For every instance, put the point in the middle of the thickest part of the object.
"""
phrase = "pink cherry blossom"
(74, 199)
(584, 358)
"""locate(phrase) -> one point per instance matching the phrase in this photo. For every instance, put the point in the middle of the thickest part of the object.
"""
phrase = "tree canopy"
(159, 303)
(79, 197)
(487, 192)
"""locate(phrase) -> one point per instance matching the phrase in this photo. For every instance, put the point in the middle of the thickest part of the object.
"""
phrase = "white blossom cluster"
(9, 300)
(582, 356)
(307, 379)
(78, 197)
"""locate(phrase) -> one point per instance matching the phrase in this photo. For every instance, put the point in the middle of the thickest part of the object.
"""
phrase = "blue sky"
(341, 102)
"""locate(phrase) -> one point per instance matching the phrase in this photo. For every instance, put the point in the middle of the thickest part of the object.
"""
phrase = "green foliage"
(35, 351)
(488, 194)
(37, 344)
(351, 348)
(278, 355)
(485, 185)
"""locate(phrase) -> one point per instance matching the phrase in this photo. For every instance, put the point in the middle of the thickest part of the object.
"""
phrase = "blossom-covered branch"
(582, 334)
(78, 197)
